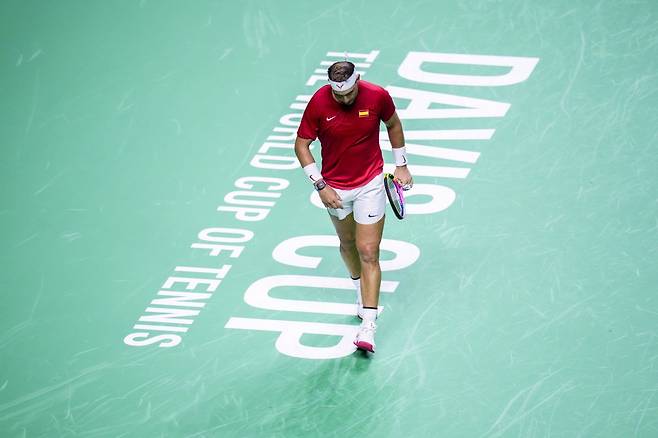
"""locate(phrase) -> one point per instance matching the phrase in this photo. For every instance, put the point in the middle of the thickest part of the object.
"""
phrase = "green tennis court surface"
(165, 271)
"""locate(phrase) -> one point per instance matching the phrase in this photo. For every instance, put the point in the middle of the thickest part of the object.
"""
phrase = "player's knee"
(368, 252)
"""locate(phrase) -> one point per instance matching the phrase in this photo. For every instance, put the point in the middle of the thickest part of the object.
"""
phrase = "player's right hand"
(330, 198)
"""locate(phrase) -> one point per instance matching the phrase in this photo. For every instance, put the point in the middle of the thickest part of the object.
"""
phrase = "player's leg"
(346, 231)
(343, 221)
(368, 239)
(369, 208)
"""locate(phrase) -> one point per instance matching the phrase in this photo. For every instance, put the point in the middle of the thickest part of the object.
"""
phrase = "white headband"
(345, 85)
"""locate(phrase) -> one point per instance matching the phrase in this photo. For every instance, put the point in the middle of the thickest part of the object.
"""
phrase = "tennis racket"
(394, 194)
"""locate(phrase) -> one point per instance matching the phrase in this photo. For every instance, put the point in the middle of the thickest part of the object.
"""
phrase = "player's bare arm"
(303, 151)
(396, 137)
(328, 195)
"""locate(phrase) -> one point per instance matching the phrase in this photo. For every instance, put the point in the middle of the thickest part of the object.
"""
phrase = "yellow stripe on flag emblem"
(364, 113)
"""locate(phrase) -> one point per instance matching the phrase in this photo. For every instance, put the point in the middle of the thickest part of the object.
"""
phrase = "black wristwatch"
(319, 184)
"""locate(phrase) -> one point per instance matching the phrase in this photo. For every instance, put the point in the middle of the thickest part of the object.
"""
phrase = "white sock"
(357, 285)
(369, 314)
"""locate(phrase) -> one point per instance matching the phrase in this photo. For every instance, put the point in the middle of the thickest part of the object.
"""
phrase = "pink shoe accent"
(362, 345)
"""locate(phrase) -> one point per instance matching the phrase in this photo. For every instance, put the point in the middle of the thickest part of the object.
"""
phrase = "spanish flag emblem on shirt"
(364, 113)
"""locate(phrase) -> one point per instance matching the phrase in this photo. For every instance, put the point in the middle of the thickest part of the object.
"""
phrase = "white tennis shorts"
(368, 203)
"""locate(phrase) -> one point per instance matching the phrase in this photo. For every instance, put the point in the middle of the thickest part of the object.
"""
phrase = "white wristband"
(311, 170)
(400, 156)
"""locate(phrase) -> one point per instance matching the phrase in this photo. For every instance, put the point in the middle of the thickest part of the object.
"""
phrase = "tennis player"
(345, 115)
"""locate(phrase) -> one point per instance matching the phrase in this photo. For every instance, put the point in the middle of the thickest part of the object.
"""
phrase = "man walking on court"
(345, 116)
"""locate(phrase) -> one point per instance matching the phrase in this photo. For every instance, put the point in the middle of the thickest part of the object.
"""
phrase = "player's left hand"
(403, 176)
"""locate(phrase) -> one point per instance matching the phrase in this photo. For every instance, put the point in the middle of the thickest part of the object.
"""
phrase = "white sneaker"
(365, 337)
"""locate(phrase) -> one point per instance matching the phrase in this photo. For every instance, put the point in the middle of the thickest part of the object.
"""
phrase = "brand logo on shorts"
(372, 215)
(329, 119)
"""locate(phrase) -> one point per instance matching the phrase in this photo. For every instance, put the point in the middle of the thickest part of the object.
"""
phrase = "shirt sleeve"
(387, 105)
(309, 126)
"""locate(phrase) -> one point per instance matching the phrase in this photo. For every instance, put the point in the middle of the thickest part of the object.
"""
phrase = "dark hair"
(340, 71)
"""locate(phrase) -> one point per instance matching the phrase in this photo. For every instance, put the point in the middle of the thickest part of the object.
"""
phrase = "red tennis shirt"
(349, 135)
